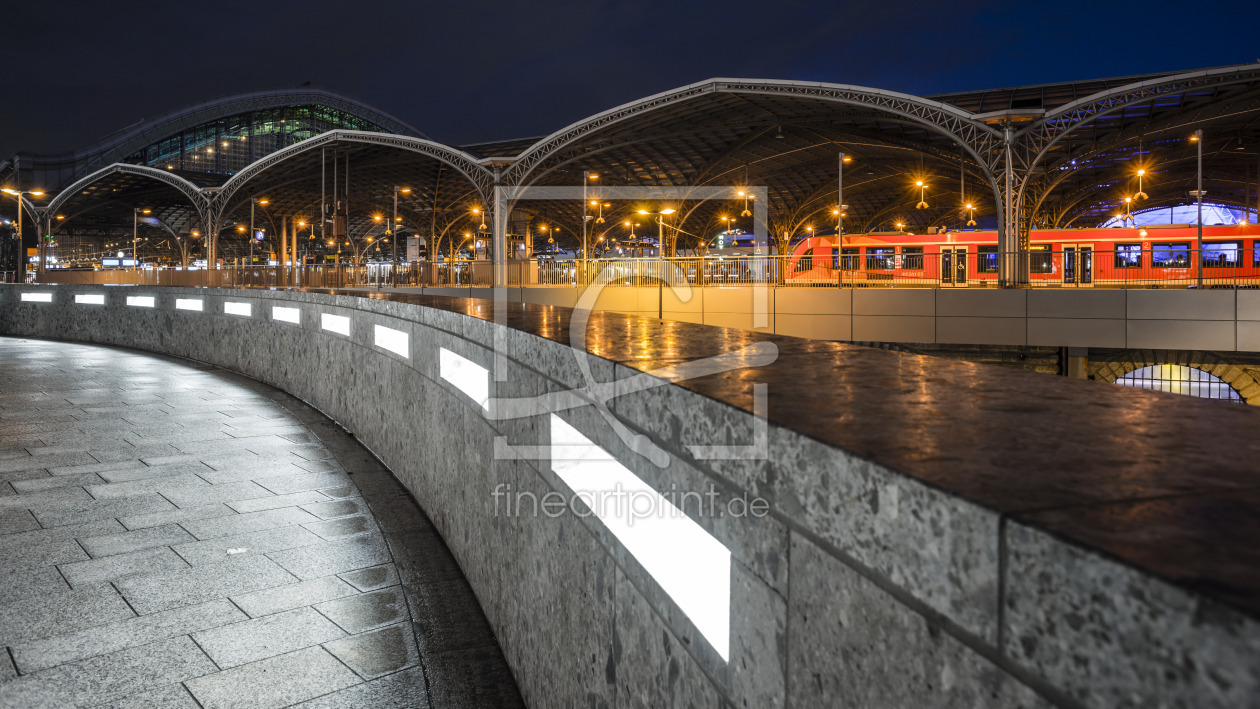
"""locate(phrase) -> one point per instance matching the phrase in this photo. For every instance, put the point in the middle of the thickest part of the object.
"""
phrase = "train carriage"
(1156, 255)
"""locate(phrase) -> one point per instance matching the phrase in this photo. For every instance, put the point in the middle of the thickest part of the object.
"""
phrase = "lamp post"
(18, 194)
(135, 236)
(393, 240)
(587, 176)
(252, 233)
(660, 257)
(1197, 138)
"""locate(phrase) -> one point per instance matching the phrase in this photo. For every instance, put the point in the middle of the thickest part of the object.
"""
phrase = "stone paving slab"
(296, 595)
(274, 682)
(131, 632)
(172, 535)
(268, 636)
(106, 678)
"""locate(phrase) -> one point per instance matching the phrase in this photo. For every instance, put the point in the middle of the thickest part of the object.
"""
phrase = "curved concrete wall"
(861, 587)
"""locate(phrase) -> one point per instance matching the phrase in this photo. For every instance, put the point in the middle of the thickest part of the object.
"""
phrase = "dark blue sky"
(483, 71)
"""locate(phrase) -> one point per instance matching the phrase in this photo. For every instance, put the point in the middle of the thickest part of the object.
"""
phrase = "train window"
(1221, 255)
(912, 257)
(880, 259)
(1040, 259)
(1174, 255)
(987, 259)
(849, 256)
(805, 263)
(1128, 255)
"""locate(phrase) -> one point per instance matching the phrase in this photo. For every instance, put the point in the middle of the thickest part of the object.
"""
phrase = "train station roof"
(1081, 148)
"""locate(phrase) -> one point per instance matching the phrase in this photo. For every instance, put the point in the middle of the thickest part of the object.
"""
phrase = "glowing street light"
(135, 233)
(34, 193)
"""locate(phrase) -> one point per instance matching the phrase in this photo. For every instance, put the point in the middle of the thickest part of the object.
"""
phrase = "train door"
(954, 265)
(1078, 264)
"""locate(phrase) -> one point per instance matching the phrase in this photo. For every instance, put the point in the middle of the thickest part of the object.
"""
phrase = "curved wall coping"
(934, 526)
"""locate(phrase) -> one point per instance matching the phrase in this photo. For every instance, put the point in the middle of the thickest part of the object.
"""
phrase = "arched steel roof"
(951, 121)
(1076, 148)
(192, 191)
(466, 164)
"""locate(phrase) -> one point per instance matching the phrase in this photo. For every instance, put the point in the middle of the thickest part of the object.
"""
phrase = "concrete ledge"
(901, 561)
(1055, 317)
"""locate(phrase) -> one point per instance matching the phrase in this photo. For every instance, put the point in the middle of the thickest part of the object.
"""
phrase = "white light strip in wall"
(189, 304)
(141, 301)
(466, 375)
(692, 566)
(292, 315)
(90, 299)
(395, 341)
(335, 323)
(243, 309)
(37, 297)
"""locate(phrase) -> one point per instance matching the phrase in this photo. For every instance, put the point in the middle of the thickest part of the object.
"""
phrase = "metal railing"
(1075, 267)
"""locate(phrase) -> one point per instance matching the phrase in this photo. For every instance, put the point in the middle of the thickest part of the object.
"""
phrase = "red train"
(1155, 255)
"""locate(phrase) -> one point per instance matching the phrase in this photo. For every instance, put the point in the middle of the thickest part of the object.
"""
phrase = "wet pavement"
(172, 534)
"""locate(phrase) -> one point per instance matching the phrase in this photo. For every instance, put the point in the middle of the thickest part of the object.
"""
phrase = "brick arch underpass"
(1239, 370)
(176, 534)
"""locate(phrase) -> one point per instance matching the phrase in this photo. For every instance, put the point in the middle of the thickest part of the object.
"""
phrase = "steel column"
(499, 238)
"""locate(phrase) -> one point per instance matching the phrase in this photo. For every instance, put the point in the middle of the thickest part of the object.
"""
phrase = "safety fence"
(964, 266)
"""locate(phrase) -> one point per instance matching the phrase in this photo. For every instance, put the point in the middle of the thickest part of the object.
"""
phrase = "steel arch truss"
(465, 164)
(955, 123)
(199, 199)
(1044, 133)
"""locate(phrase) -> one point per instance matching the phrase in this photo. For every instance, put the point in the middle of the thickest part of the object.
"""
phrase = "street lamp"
(971, 208)
(922, 195)
(135, 234)
(660, 256)
(1197, 139)
(252, 233)
(587, 178)
(34, 193)
(394, 241)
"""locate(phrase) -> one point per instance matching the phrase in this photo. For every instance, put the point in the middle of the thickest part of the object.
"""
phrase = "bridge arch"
(1241, 379)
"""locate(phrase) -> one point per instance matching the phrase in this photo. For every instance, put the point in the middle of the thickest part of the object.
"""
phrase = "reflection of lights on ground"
(1180, 379)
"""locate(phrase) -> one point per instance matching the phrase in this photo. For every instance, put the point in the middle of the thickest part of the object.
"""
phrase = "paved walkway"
(177, 535)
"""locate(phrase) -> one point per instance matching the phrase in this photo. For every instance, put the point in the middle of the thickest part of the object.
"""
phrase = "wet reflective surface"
(1163, 482)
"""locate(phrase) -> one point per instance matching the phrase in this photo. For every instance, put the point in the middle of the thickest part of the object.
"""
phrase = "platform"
(177, 535)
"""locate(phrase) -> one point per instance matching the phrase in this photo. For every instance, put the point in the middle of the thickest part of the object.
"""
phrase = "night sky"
(478, 71)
